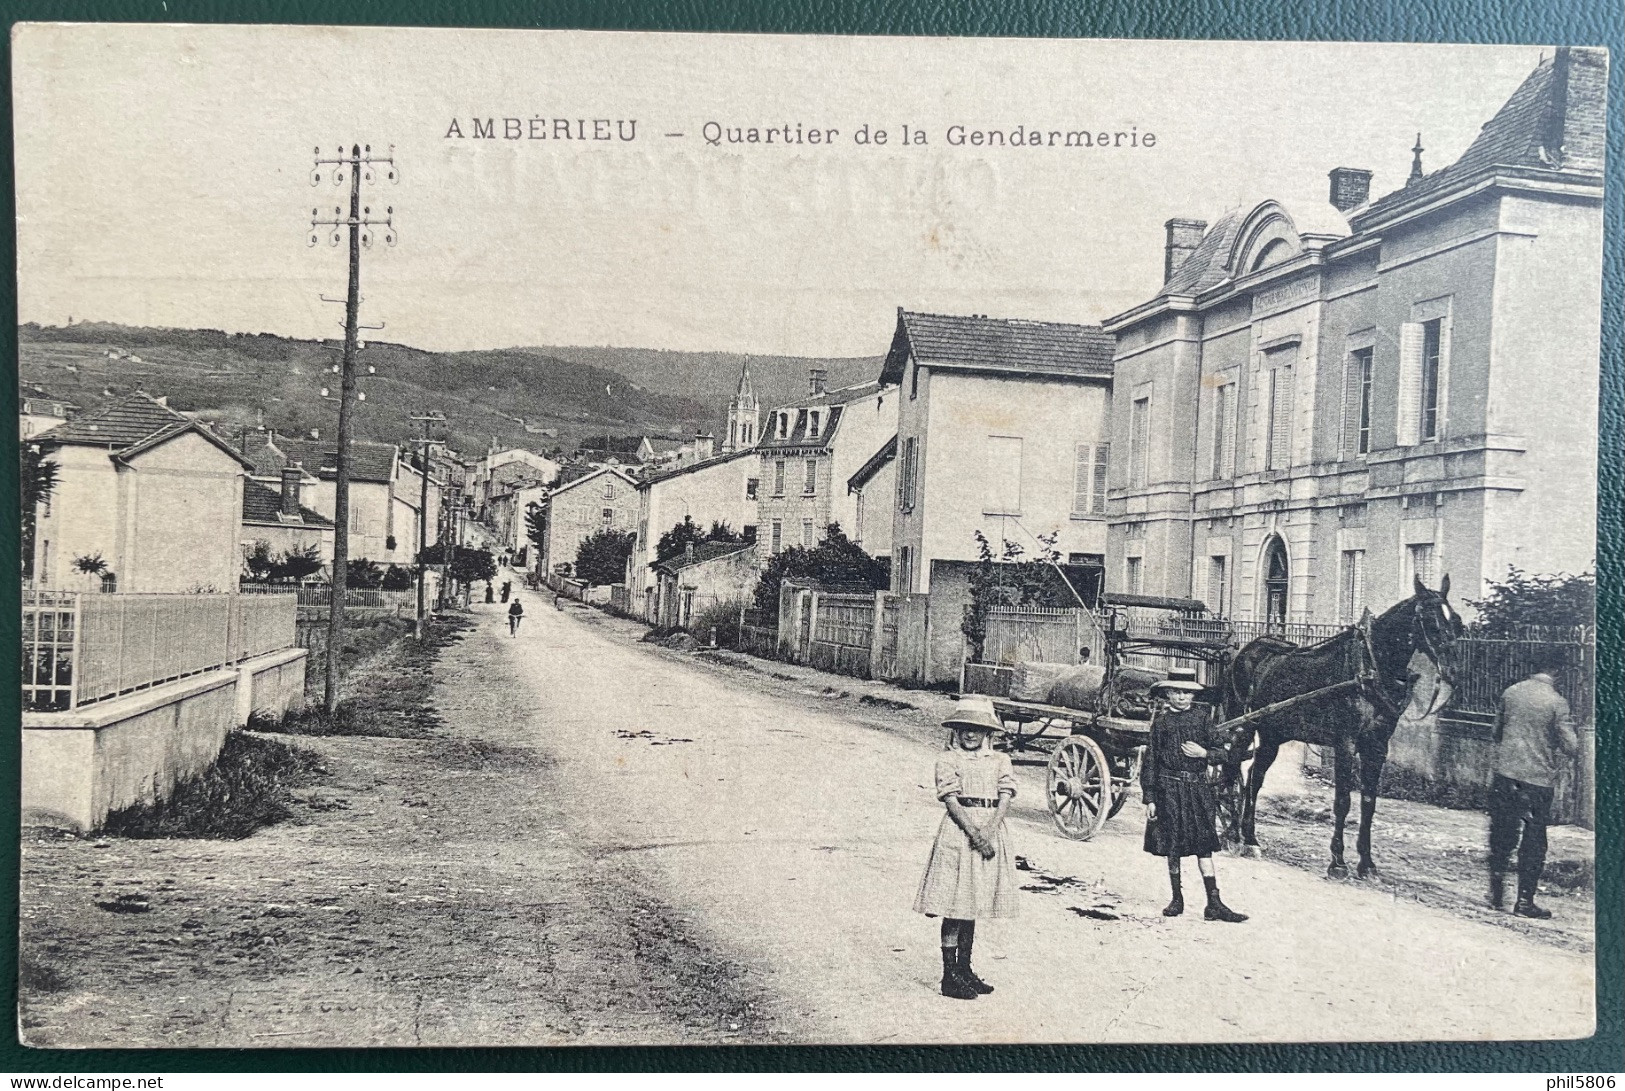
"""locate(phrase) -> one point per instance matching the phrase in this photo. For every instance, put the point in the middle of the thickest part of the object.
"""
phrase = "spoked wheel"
(1124, 770)
(1079, 787)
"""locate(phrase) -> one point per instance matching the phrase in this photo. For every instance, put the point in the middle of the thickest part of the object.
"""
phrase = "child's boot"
(953, 983)
(967, 941)
(1216, 909)
(1177, 906)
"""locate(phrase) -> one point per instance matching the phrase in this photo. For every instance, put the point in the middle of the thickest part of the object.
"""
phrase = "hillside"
(248, 380)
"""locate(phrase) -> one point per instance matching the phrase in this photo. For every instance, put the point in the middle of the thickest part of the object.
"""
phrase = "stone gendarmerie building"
(1319, 405)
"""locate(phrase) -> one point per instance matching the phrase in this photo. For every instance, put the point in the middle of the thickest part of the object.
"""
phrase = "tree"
(601, 558)
(836, 561)
(687, 533)
(296, 564)
(1008, 580)
(466, 566)
(363, 575)
(258, 562)
(37, 483)
(1523, 598)
(536, 525)
(398, 578)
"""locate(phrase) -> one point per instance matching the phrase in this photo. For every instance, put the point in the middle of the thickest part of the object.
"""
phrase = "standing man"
(1532, 732)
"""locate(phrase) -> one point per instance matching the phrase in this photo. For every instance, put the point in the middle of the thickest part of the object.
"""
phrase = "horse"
(1374, 657)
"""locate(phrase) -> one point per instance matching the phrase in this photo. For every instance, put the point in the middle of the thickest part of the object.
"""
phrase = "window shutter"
(1410, 383)
(1353, 368)
(1441, 428)
(1103, 454)
(1082, 478)
(1281, 418)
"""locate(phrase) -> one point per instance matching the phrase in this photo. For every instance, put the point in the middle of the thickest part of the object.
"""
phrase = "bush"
(399, 578)
(721, 616)
(601, 559)
(248, 786)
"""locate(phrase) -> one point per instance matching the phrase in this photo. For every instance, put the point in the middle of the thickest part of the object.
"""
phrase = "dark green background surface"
(1553, 22)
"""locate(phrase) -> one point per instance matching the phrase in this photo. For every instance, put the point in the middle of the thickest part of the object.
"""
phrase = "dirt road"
(613, 843)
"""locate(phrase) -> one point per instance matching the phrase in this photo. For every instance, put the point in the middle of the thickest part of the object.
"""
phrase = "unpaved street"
(609, 842)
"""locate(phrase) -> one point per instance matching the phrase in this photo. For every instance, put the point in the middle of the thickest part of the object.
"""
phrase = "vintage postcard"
(549, 538)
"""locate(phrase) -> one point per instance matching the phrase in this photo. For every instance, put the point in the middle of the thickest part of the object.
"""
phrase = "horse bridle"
(1425, 644)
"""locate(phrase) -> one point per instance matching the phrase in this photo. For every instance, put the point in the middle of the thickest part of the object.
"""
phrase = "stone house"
(157, 495)
(707, 575)
(721, 489)
(1002, 428)
(604, 499)
(1321, 404)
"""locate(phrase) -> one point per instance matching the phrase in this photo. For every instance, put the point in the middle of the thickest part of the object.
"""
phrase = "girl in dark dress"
(1181, 810)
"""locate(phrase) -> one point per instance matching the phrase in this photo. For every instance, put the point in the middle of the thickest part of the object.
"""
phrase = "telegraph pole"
(428, 420)
(357, 163)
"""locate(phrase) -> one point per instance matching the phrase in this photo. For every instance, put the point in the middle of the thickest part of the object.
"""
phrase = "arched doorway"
(1277, 579)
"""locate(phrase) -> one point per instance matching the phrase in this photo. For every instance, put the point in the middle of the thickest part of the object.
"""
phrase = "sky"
(164, 175)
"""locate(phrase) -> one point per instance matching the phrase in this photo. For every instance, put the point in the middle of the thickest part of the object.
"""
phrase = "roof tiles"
(1015, 345)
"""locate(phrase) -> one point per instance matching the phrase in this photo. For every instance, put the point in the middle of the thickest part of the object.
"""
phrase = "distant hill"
(712, 377)
(516, 395)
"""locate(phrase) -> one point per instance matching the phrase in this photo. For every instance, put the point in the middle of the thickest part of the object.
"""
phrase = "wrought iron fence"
(82, 648)
(1484, 665)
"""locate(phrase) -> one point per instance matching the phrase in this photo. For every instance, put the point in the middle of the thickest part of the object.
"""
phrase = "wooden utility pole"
(358, 163)
(428, 420)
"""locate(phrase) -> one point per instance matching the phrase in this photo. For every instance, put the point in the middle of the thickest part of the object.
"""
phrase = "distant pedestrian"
(516, 614)
(1532, 730)
(507, 589)
(490, 592)
(1181, 805)
(971, 873)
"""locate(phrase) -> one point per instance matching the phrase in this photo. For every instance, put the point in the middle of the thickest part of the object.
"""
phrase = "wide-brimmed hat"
(1180, 678)
(976, 713)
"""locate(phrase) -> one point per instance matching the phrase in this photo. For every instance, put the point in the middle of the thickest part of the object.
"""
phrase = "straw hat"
(1180, 678)
(976, 713)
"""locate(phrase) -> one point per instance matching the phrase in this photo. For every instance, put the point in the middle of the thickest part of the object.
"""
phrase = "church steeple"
(744, 415)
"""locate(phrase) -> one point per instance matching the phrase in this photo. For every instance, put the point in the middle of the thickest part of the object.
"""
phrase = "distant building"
(1001, 428)
(704, 576)
(809, 451)
(40, 414)
(744, 415)
(721, 489)
(274, 514)
(155, 494)
(604, 499)
(1321, 404)
(385, 493)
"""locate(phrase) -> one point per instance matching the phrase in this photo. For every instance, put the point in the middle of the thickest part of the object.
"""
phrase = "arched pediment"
(1267, 237)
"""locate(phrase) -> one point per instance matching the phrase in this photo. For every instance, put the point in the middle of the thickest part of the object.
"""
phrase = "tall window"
(1357, 403)
(808, 540)
(914, 382)
(904, 581)
(1089, 478)
(778, 478)
(752, 484)
(1003, 476)
(813, 422)
(1351, 600)
(811, 486)
(1133, 574)
(1278, 429)
(907, 470)
(778, 536)
(1218, 588)
(609, 516)
(1139, 422)
(1432, 340)
(1420, 557)
(1224, 430)
(1277, 582)
(609, 490)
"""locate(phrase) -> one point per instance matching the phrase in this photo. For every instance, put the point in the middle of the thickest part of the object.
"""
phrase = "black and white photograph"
(564, 538)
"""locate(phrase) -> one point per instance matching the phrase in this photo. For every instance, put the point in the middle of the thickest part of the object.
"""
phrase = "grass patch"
(387, 694)
(249, 786)
(35, 976)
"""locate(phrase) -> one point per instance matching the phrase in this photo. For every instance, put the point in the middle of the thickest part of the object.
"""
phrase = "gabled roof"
(599, 472)
(703, 552)
(263, 504)
(1015, 346)
(694, 467)
(373, 462)
(129, 426)
(1554, 121)
(876, 463)
(800, 424)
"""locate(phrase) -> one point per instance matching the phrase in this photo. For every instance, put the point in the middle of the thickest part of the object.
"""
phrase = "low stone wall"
(79, 766)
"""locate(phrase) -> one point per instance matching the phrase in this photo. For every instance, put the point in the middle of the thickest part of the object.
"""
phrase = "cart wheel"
(1079, 784)
(1123, 775)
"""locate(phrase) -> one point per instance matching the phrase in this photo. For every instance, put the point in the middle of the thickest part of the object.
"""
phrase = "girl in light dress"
(971, 873)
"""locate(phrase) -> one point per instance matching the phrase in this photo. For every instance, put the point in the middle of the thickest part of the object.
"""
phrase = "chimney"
(688, 549)
(816, 380)
(1351, 187)
(1183, 238)
(704, 446)
(292, 474)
